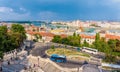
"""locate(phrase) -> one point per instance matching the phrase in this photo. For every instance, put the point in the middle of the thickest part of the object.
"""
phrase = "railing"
(111, 65)
(14, 54)
(95, 61)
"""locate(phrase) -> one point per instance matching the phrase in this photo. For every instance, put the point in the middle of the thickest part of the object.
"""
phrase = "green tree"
(117, 49)
(97, 43)
(65, 41)
(37, 37)
(112, 44)
(104, 46)
(85, 44)
(74, 34)
(57, 39)
(110, 58)
(17, 28)
(16, 38)
(3, 37)
(74, 40)
(11, 40)
(58, 26)
(3, 30)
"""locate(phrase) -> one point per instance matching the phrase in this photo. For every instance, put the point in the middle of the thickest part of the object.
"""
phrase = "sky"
(59, 10)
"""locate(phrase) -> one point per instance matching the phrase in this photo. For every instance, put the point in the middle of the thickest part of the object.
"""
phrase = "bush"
(53, 47)
(35, 40)
(110, 58)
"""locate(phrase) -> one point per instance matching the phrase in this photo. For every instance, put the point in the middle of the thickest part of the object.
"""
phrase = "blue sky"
(59, 9)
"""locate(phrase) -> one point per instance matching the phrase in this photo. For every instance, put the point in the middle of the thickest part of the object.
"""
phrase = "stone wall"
(14, 54)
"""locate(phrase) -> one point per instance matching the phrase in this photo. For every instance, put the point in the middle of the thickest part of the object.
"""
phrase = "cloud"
(5, 9)
(115, 1)
(22, 9)
(59, 9)
(7, 13)
(15, 16)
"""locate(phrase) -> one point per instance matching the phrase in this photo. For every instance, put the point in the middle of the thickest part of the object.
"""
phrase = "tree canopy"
(73, 40)
(11, 40)
(111, 47)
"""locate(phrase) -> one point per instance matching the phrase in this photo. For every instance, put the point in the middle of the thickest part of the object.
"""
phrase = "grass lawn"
(66, 52)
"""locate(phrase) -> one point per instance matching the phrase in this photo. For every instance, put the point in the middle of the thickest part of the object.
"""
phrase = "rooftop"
(109, 36)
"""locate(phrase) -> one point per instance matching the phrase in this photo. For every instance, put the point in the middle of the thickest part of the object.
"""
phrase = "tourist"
(8, 62)
(0, 69)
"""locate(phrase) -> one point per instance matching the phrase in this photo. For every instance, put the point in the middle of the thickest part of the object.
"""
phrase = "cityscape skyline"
(60, 10)
(60, 36)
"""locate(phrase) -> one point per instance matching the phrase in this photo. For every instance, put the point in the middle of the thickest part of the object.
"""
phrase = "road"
(39, 49)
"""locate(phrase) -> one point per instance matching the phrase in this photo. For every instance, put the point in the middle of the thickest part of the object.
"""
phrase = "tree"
(65, 41)
(16, 38)
(104, 46)
(11, 40)
(58, 26)
(1, 54)
(74, 40)
(37, 37)
(112, 44)
(97, 43)
(17, 28)
(85, 44)
(117, 49)
(110, 58)
(3, 30)
(74, 34)
(57, 39)
(3, 36)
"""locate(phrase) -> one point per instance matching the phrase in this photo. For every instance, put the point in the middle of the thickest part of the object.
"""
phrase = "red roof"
(112, 36)
(30, 32)
(63, 35)
(46, 34)
(41, 33)
(108, 36)
(87, 36)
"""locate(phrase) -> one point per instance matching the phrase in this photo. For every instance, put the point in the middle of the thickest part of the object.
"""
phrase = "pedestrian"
(25, 68)
(0, 69)
(34, 65)
(8, 62)
(30, 67)
(11, 58)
